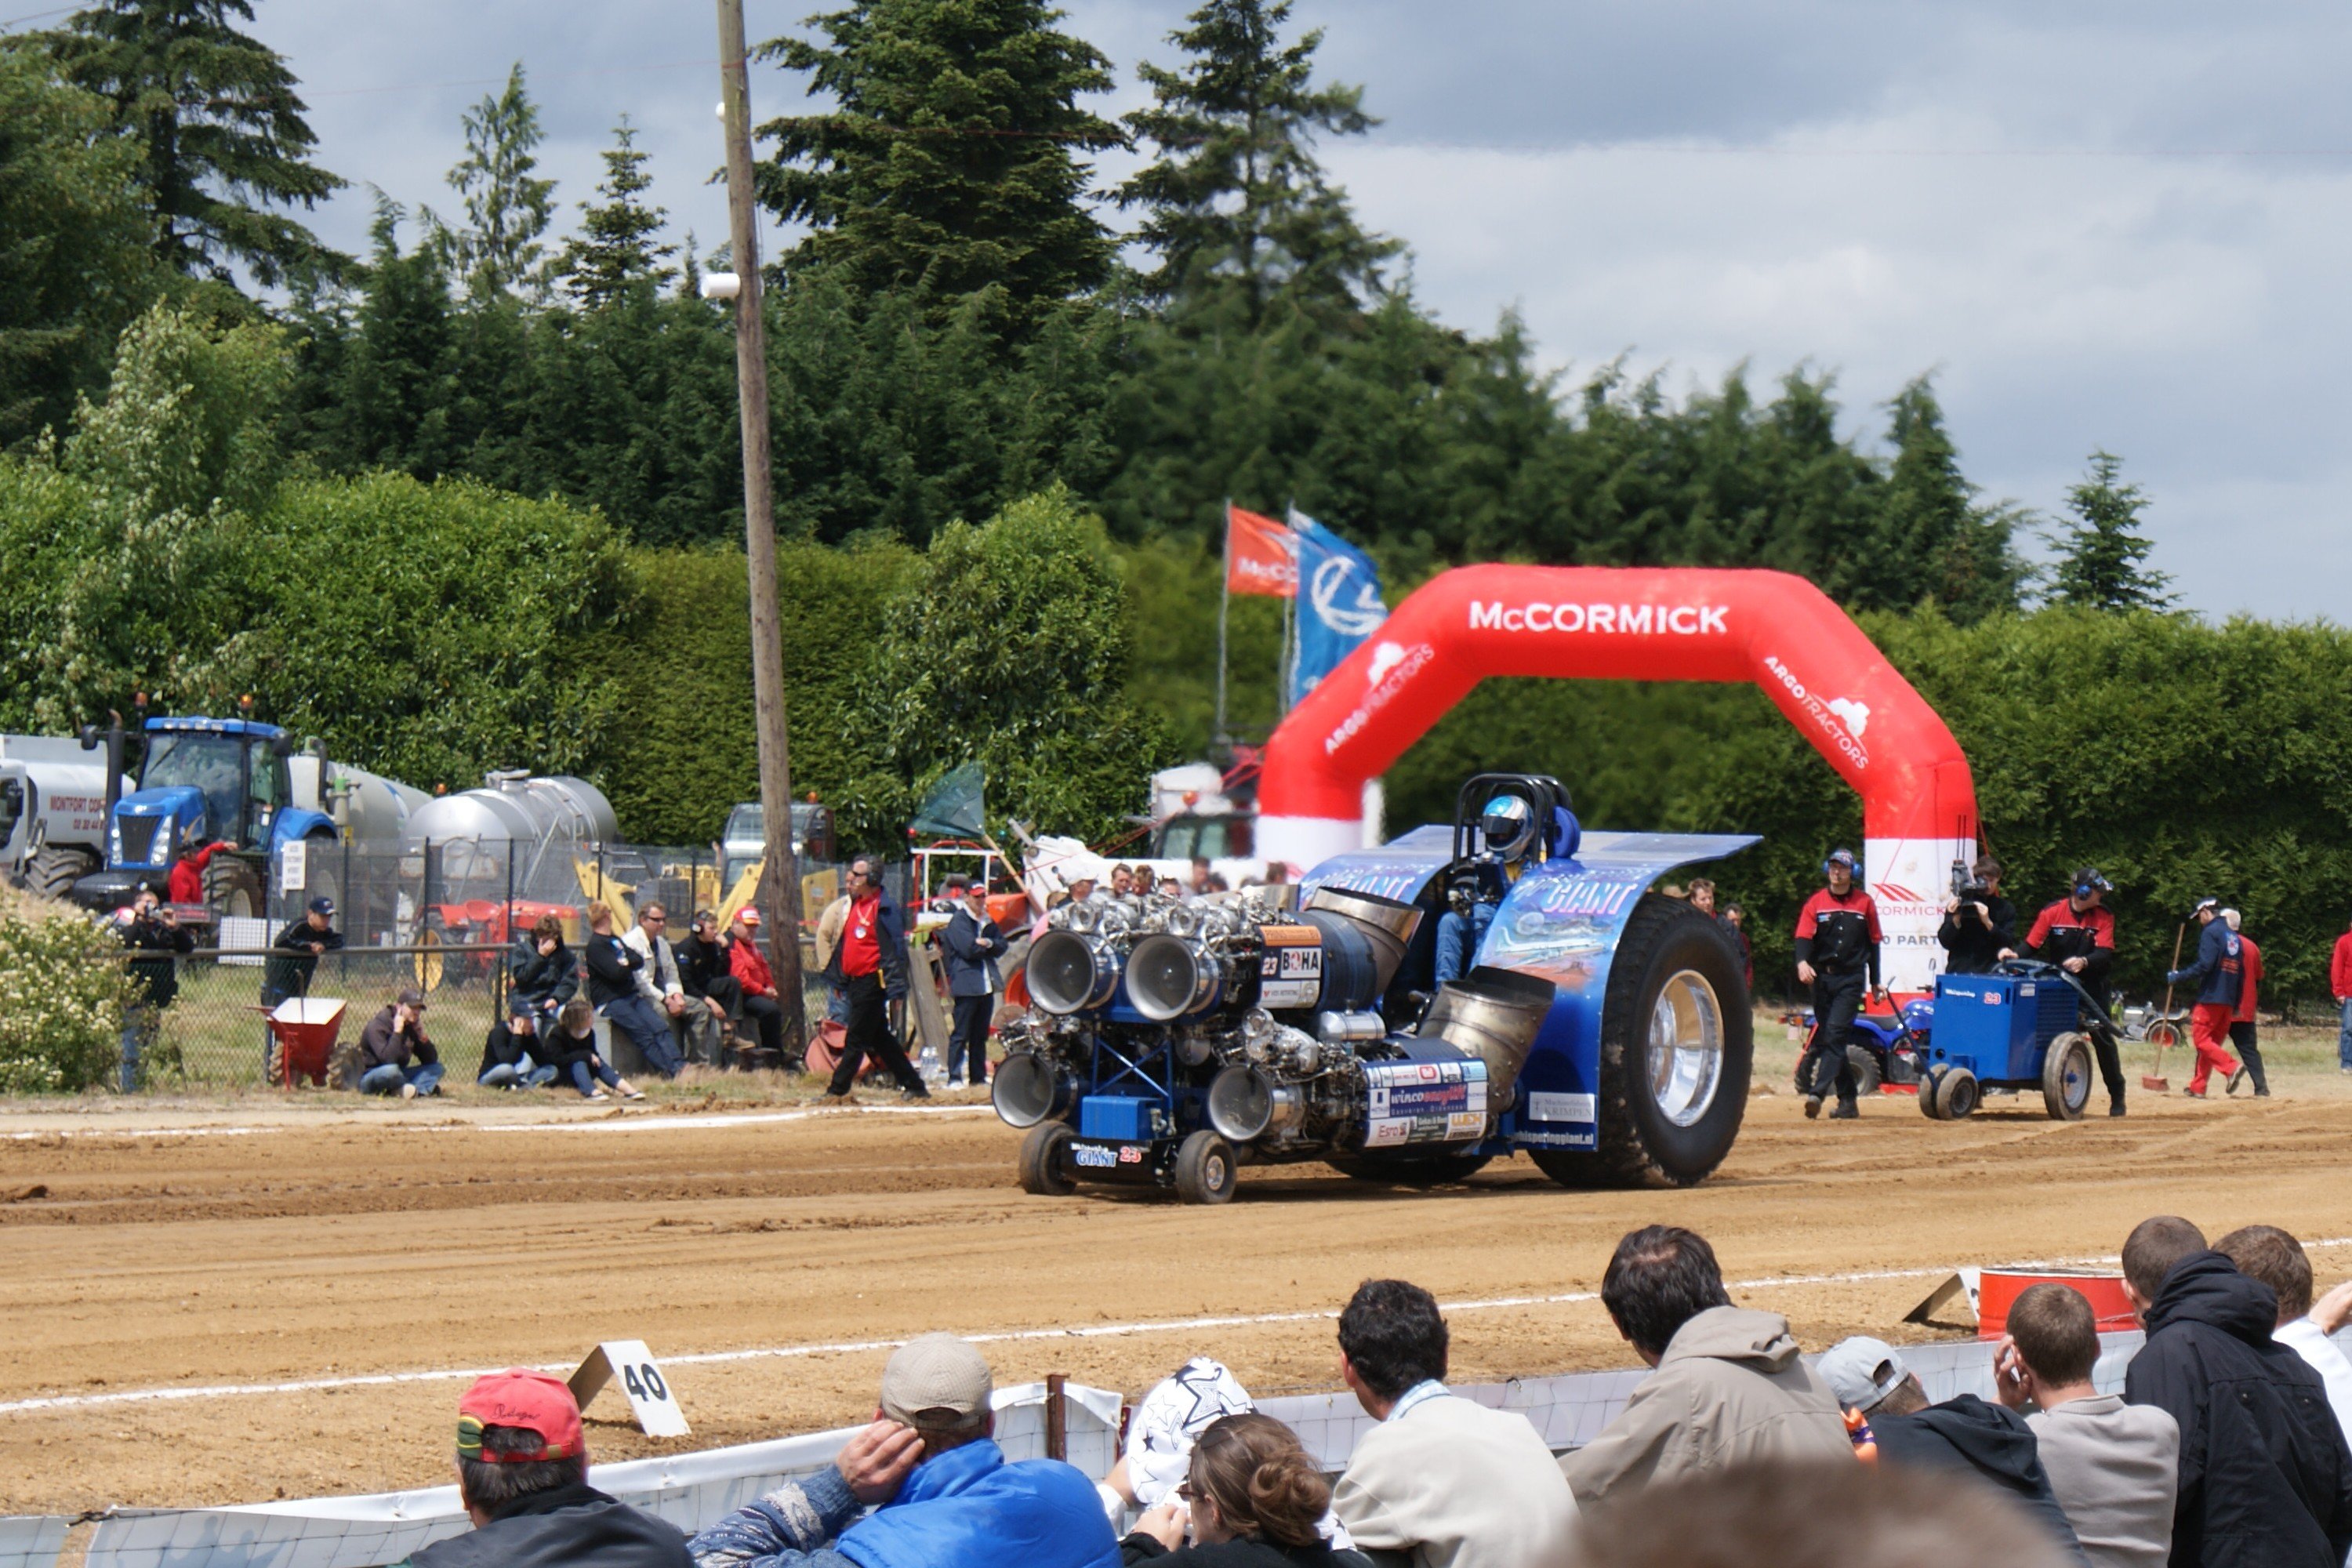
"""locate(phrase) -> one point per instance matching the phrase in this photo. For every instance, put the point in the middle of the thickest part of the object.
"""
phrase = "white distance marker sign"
(629, 1364)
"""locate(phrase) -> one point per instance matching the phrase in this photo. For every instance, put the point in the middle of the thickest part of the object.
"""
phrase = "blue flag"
(1340, 602)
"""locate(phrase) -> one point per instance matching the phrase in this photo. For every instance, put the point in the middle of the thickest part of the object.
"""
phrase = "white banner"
(1908, 879)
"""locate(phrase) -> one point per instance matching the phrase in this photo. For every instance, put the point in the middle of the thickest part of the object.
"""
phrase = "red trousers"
(2209, 1028)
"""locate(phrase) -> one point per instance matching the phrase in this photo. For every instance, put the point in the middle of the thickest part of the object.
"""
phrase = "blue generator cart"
(2017, 1028)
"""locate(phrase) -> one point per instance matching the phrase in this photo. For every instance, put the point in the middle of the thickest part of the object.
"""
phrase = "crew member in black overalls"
(1979, 923)
(1837, 955)
(2077, 934)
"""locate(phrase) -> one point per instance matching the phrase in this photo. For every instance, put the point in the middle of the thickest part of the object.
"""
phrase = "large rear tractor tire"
(1205, 1170)
(232, 889)
(52, 872)
(1045, 1160)
(1677, 1046)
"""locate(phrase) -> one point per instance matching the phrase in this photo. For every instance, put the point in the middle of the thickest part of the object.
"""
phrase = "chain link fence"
(441, 917)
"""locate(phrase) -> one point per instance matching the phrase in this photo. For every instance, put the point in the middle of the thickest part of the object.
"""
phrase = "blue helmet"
(1509, 825)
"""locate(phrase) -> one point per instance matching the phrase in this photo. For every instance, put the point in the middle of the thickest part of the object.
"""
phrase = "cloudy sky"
(2103, 224)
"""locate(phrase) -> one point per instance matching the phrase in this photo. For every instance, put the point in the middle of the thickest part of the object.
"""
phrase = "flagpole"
(1224, 601)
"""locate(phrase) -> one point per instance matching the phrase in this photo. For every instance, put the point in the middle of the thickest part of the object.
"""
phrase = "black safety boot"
(1847, 1110)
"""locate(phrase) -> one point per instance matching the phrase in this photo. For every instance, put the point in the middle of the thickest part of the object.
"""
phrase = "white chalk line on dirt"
(997, 1336)
(628, 1122)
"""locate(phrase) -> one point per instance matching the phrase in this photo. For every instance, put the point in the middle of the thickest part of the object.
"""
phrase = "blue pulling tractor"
(1599, 1027)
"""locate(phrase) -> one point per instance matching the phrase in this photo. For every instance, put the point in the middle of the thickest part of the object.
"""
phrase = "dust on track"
(350, 1245)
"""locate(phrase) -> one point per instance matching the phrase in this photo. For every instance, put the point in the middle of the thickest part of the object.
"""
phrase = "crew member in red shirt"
(186, 883)
(2077, 934)
(869, 963)
(1837, 949)
(2339, 983)
(2242, 1028)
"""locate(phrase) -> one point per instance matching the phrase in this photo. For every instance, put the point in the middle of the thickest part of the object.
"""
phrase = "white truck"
(52, 812)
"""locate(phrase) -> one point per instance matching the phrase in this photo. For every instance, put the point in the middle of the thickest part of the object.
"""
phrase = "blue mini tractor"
(2015, 1028)
(201, 780)
(1601, 1027)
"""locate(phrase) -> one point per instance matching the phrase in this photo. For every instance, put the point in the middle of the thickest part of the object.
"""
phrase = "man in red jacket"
(2077, 934)
(2339, 981)
(186, 883)
(750, 967)
(2242, 1028)
(1837, 948)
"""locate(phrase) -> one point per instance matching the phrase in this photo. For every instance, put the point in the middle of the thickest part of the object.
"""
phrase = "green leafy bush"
(62, 993)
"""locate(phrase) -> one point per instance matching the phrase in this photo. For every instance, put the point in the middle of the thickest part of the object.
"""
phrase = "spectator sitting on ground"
(1962, 1434)
(613, 969)
(573, 1043)
(1731, 1387)
(523, 1474)
(507, 1056)
(1441, 1481)
(703, 972)
(389, 1039)
(1253, 1499)
(658, 985)
(2276, 1258)
(947, 1497)
(750, 968)
(1834, 1514)
(2114, 1468)
(2265, 1478)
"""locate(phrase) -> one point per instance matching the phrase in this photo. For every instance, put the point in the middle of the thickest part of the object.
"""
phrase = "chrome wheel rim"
(1686, 1048)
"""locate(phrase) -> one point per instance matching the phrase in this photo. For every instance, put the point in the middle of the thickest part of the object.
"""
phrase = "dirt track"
(347, 1243)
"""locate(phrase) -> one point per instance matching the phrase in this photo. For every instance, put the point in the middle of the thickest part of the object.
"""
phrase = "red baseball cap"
(749, 916)
(534, 1401)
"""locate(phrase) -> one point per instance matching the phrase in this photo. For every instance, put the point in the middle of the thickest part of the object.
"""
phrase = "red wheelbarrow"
(305, 1029)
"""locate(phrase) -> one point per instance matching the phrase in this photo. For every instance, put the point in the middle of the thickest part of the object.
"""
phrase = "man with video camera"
(1977, 922)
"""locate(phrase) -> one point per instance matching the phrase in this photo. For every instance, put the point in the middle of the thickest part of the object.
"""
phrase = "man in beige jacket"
(1441, 1482)
(1729, 1389)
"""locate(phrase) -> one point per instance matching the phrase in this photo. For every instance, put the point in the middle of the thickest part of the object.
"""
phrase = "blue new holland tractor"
(199, 781)
(1500, 984)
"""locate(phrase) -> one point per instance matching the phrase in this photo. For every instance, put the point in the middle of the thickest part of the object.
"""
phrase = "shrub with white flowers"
(62, 991)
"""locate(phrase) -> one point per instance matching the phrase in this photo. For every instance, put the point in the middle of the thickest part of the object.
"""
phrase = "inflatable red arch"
(1597, 623)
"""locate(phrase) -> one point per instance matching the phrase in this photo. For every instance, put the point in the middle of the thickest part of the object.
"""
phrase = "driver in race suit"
(2077, 934)
(1837, 949)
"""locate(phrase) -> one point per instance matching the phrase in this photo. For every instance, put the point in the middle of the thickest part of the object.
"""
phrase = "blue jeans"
(139, 1022)
(505, 1075)
(649, 1030)
(585, 1081)
(2343, 1038)
(387, 1078)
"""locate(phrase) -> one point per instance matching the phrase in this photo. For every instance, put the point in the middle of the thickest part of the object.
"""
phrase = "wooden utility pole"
(780, 883)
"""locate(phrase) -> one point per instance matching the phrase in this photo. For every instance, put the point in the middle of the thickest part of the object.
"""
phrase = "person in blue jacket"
(2220, 974)
(947, 1495)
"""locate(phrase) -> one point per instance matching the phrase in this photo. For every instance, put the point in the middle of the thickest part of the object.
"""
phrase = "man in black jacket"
(2265, 1473)
(703, 970)
(154, 932)
(613, 966)
(1977, 922)
(523, 1474)
(972, 944)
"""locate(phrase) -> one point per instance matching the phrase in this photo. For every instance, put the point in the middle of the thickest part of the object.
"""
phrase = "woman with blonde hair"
(1252, 1497)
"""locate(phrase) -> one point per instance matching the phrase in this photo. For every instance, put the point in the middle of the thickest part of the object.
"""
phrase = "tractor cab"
(200, 781)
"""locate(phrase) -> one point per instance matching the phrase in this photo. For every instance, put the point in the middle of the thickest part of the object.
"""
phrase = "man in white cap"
(945, 1494)
(1963, 1433)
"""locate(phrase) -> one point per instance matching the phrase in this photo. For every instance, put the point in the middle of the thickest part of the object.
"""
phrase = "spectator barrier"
(691, 1491)
(695, 1489)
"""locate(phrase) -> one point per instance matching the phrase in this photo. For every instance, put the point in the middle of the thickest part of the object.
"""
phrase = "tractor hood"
(150, 824)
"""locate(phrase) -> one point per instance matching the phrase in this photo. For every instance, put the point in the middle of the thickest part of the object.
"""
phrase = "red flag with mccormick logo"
(1261, 555)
